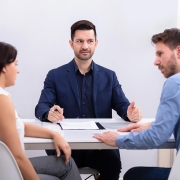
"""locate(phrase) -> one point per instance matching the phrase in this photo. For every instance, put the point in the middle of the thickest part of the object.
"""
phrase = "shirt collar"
(76, 67)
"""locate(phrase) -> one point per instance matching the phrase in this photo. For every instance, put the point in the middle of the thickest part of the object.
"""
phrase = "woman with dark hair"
(13, 130)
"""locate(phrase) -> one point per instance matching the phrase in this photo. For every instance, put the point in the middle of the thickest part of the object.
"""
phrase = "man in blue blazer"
(83, 89)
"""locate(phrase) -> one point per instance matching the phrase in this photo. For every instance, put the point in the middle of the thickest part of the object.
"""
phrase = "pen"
(57, 110)
(53, 110)
(60, 125)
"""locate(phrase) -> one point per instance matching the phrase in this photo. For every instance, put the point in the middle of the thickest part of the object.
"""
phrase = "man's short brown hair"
(170, 37)
(82, 25)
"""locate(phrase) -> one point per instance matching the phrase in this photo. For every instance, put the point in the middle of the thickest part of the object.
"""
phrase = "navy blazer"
(60, 88)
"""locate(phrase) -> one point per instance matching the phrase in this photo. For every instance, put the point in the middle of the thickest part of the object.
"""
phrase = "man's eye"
(79, 41)
(160, 53)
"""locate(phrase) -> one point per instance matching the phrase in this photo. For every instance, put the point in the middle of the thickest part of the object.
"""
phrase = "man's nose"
(85, 45)
(156, 61)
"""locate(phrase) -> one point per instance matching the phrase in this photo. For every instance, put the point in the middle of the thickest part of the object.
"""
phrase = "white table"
(82, 139)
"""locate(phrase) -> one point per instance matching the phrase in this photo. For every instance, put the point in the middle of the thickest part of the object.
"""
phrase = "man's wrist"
(126, 118)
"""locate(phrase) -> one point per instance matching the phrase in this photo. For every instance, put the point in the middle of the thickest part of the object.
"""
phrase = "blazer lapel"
(72, 80)
(96, 81)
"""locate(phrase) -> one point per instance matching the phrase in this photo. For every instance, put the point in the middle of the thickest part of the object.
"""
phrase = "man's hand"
(136, 127)
(61, 144)
(108, 138)
(55, 114)
(134, 113)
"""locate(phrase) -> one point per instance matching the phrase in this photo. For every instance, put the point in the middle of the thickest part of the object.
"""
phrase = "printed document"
(78, 125)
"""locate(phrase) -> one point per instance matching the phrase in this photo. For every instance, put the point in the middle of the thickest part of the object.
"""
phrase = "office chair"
(88, 170)
(8, 166)
(175, 174)
(10, 170)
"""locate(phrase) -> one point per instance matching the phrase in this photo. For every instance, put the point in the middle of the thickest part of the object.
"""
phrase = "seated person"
(12, 131)
(167, 120)
(86, 90)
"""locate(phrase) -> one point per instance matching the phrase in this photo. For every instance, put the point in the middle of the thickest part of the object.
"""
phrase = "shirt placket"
(83, 99)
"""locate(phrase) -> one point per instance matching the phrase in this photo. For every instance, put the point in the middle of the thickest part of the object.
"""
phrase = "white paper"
(78, 125)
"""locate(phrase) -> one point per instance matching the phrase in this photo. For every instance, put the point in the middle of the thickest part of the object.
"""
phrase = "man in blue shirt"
(83, 89)
(167, 119)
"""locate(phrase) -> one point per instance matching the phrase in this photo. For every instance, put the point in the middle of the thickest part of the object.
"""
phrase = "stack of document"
(78, 125)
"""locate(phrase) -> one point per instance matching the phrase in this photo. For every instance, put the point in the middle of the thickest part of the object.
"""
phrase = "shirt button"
(83, 89)
(83, 115)
(84, 103)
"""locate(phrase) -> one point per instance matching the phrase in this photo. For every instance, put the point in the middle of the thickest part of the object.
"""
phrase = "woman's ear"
(4, 70)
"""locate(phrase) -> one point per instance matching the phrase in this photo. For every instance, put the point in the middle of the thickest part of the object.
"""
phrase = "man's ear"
(71, 44)
(178, 51)
(96, 43)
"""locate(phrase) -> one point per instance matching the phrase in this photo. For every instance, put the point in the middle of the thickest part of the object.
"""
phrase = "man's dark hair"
(170, 37)
(8, 54)
(82, 25)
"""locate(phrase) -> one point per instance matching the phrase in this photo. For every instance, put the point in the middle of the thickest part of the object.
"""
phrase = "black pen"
(57, 110)
(60, 125)
(54, 110)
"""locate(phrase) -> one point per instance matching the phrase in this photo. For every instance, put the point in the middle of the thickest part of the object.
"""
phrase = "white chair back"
(8, 166)
(175, 170)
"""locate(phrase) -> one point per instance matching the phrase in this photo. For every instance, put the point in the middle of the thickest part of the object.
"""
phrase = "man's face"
(165, 60)
(83, 44)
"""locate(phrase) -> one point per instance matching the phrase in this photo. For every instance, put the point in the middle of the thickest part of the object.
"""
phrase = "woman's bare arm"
(33, 130)
(9, 135)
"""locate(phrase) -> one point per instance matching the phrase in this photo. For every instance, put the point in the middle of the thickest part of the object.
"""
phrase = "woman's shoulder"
(7, 114)
(5, 101)
(4, 96)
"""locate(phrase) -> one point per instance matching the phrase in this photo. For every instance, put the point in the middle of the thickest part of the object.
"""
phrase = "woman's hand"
(61, 144)
(32, 130)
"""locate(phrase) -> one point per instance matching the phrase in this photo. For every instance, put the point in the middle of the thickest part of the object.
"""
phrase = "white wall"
(40, 29)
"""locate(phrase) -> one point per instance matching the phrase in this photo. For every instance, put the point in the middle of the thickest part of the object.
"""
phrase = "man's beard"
(171, 67)
(84, 58)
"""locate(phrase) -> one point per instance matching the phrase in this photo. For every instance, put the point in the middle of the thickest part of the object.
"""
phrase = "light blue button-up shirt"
(167, 121)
